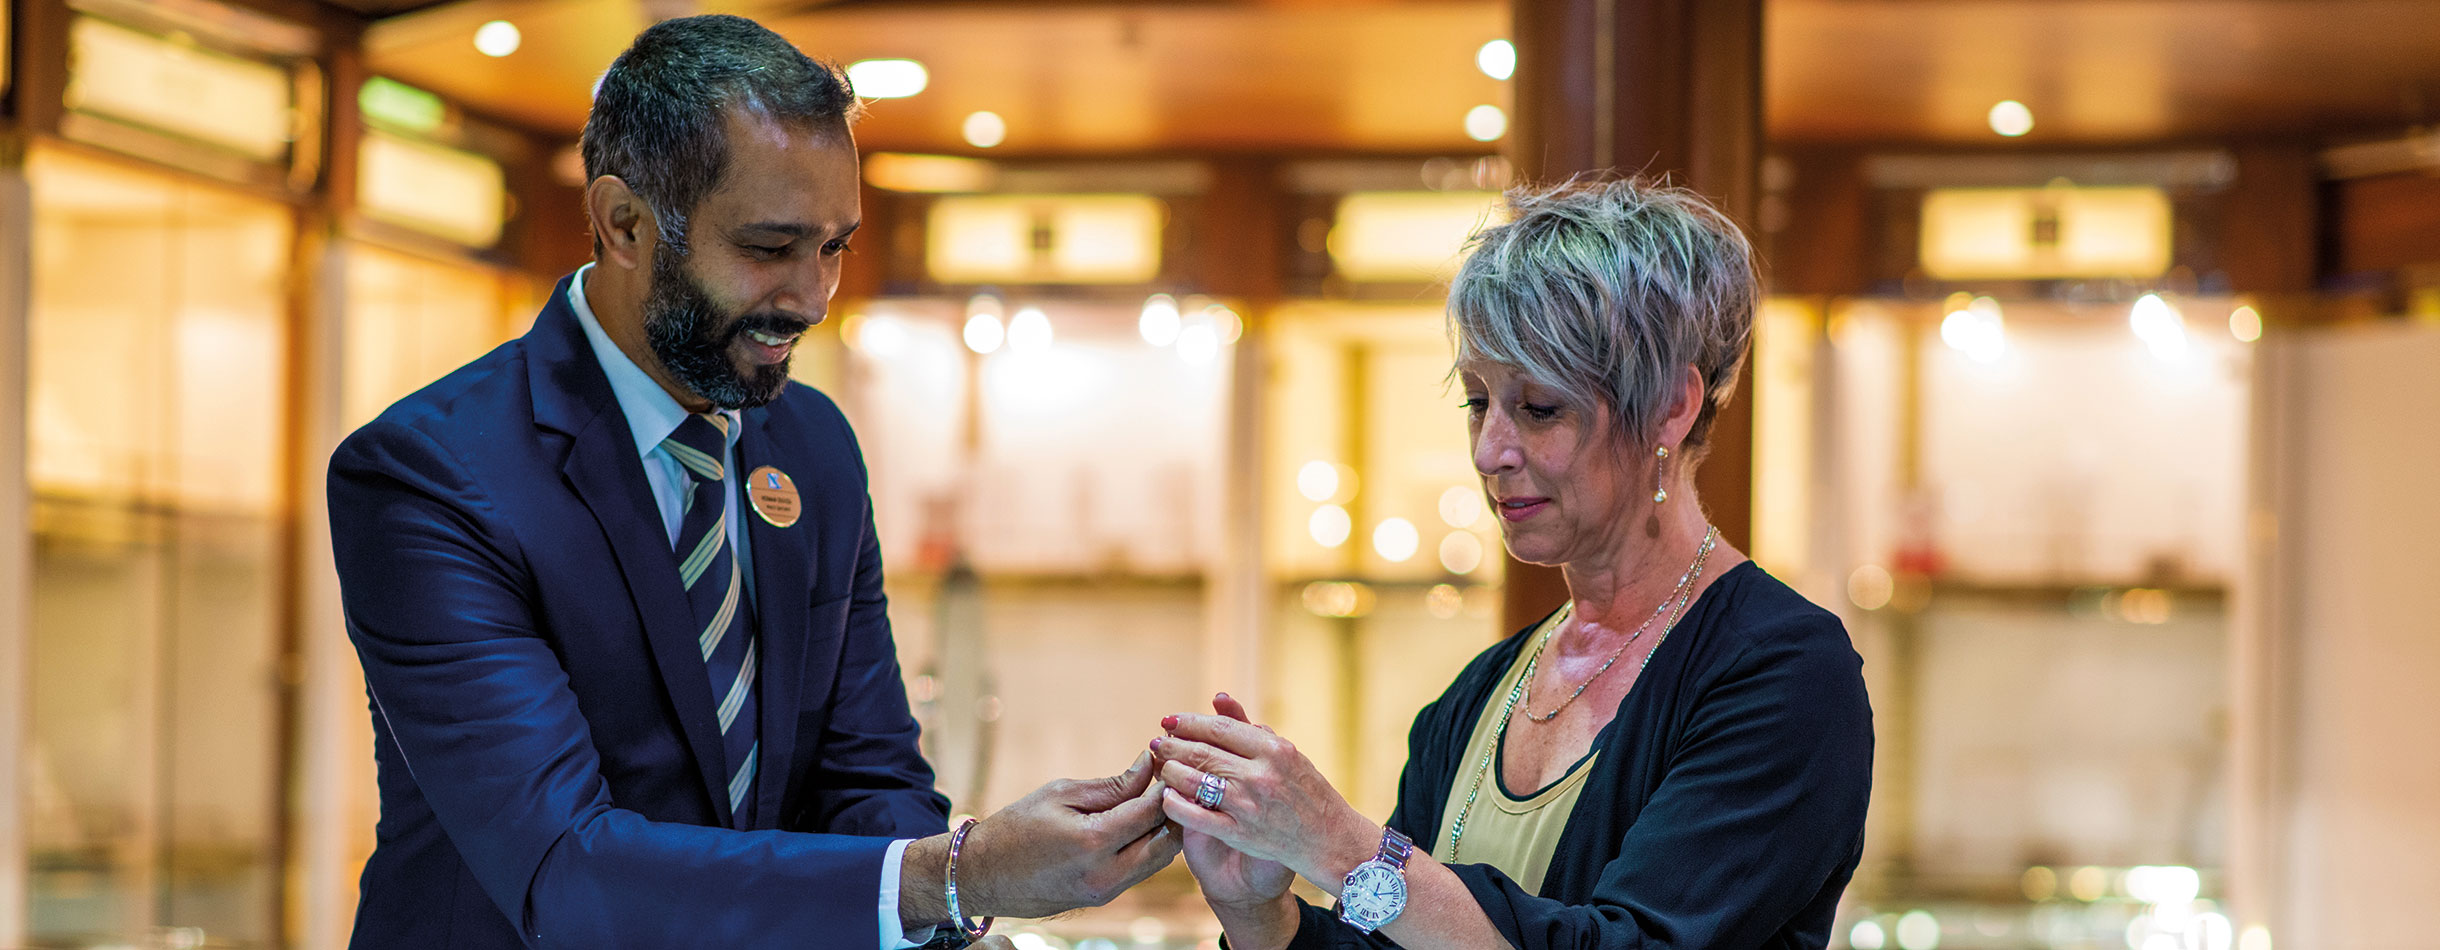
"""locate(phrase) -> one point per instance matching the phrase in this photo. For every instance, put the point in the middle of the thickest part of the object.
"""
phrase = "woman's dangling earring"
(1660, 486)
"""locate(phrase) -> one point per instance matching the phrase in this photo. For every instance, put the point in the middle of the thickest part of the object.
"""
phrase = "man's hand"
(1071, 843)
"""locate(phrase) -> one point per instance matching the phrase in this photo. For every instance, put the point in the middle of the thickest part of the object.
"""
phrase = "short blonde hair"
(1601, 289)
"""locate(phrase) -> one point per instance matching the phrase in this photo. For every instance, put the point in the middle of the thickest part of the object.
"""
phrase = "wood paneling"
(2386, 223)
(2099, 71)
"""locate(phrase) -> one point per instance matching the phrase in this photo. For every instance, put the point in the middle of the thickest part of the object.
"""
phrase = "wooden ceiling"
(2099, 71)
(1399, 76)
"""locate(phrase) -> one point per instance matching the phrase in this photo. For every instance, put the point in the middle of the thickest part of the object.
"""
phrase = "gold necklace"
(1499, 736)
(1685, 586)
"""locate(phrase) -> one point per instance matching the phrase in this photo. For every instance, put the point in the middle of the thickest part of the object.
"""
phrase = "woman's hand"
(1276, 806)
(1228, 876)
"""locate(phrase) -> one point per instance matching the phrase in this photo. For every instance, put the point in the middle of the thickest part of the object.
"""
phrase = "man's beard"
(692, 337)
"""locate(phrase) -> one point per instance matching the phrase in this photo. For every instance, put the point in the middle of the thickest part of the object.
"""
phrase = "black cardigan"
(1726, 811)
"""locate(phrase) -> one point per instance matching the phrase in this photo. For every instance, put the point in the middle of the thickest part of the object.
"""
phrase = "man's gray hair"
(658, 115)
(1602, 290)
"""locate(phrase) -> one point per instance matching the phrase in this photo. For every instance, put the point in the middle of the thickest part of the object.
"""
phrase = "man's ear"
(623, 225)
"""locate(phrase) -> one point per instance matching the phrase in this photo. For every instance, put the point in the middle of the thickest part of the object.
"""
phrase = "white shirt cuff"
(894, 936)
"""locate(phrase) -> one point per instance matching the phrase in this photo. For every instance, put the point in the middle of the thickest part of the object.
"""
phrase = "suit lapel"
(783, 571)
(572, 395)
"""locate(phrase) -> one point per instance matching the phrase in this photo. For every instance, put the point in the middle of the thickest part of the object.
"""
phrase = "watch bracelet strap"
(1395, 848)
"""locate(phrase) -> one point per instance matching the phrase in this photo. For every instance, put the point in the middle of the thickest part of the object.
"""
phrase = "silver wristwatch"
(1375, 891)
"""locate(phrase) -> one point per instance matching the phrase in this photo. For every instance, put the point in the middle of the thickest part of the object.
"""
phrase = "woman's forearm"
(1440, 910)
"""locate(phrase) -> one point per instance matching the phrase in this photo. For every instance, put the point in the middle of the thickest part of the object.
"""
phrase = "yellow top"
(1516, 835)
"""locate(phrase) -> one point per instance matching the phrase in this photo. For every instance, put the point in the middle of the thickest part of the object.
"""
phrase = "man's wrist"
(923, 900)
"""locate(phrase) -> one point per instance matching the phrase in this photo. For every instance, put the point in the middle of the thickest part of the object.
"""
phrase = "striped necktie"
(714, 588)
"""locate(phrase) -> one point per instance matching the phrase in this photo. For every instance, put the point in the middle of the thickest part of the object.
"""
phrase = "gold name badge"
(773, 495)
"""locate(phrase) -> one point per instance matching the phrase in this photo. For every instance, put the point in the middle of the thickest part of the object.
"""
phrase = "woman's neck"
(1618, 594)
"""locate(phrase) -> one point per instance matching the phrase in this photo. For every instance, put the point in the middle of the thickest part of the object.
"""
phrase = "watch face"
(1374, 893)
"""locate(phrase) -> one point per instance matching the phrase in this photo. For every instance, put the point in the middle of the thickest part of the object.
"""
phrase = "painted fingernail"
(1156, 746)
(1169, 721)
(1223, 696)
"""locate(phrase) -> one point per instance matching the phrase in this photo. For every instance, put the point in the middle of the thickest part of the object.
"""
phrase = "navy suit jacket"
(550, 764)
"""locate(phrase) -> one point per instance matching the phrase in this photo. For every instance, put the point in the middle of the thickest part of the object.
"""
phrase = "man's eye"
(836, 247)
(760, 250)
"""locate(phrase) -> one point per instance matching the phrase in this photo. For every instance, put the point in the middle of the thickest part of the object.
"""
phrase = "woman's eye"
(1540, 413)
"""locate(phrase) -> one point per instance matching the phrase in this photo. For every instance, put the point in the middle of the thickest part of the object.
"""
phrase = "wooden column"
(1653, 87)
(1236, 255)
(16, 533)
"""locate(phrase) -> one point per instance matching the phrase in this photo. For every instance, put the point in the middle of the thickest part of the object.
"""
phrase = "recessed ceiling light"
(2011, 118)
(887, 78)
(1497, 59)
(497, 38)
(1486, 123)
(985, 129)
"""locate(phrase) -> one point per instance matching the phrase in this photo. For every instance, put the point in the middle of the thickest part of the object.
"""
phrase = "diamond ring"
(1209, 791)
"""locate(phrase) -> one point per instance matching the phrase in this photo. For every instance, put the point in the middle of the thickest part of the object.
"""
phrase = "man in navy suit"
(618, 598)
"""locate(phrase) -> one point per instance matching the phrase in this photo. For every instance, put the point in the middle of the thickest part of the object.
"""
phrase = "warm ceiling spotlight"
(887, 78)
(1497, 59)
(497, 38)
(2010, 118)
(1486, 123)
(985, 129)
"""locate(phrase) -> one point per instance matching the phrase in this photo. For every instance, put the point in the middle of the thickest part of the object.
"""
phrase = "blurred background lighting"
(497, 38)
(1443, 601)
(1029, 331)
(1396, 539)
(2159, 326)
(1461, 552)
(1977, 330)
(1461, 506)
(2010, 118)
(984, 129)
(1337, 599)
(2164, 885)
(1918, 930)
(2245, 323)
(882, 338)
(1867, 935)
(2040, 883)
(1317, 480)
(887, 78)
(983, 333)
(1870, 587)
(1486, 123)
(1159, 324)
(1497, 59)
(1330, 526)
(1199, 344)
(2088, 883)
(2210, 931)
(1226, 324)
(2256, 937)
